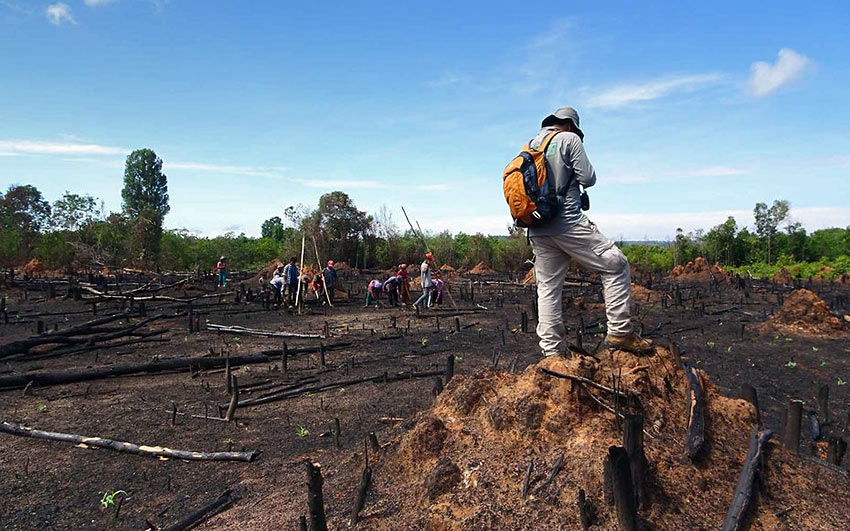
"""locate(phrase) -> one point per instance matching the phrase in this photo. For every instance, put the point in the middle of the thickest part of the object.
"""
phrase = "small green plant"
(229, 442)
(823, 363)
(815, 349)
(458, 358)
(841, 382)
(791, 364)
(42, 408)
(423, 342)
(302, 431)
(710, 344)
(729, 349)
(108, 499)
(789, 339)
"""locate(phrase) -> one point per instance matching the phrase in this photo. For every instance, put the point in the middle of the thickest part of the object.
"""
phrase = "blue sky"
(692, 110)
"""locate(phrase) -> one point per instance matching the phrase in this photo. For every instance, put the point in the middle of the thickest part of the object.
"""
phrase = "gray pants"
(425, 297)
(590, 248)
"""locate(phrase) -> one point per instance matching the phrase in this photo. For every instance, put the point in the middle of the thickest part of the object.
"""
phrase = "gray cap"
(563, 113)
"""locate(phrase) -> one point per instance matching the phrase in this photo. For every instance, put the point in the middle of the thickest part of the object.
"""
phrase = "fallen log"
(736, 515)
(61, 336)
(43, 379)
(205, 512)
(261, 333)
(301, 390)
(695, 439)
(151, 451)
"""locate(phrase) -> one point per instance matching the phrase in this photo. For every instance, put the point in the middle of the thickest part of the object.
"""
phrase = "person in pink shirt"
(373, 292)
(221, 268)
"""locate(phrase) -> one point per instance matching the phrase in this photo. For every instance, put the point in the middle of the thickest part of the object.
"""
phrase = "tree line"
(762, 251)
(76, 232)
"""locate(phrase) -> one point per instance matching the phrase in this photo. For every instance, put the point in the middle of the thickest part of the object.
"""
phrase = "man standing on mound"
(571, 234)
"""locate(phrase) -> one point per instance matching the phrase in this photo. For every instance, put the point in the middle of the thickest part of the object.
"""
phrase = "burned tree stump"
(633, 443)
(695, 439)
(748, 393)
(315, 499)
(622, 492)
(450, 368)
(736, 516)
(234, 399)
(585, 512)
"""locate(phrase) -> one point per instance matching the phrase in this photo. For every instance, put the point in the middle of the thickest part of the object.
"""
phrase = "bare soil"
(456, 462)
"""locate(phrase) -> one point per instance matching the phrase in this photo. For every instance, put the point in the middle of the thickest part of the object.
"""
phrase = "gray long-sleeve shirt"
(566, 157)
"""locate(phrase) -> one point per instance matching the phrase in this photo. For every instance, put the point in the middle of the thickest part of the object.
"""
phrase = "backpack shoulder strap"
(546, 141)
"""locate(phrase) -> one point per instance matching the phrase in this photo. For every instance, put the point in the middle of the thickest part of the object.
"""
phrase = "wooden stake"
(360, 498)
(450, 368)
(234, 399)
(823, 404)
(621, 486)
(791, 437)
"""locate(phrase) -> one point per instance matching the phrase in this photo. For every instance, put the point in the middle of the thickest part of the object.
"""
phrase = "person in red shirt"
(403, 284)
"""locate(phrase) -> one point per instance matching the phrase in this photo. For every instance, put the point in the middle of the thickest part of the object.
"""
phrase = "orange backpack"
(530, 195)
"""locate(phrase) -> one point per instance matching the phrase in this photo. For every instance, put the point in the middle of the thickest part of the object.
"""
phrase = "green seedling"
(841, 382)
(789, 339)
(823, 363)
(108, 499)
(710, 344)
(458, 358)
(423, 342)
(42, 408)
(229, 442)
(729, 349)
(791, 364)
(302, 431)
(815, 349)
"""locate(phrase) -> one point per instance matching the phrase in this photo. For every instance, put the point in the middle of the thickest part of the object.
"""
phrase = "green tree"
(339, 227)
(23, 214)
(145, 196)
(768, 219)
(273, 228)
(73, 211)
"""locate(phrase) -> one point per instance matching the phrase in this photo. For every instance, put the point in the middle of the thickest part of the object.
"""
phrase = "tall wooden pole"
(425, 245)
(300, 271)
(321, 272)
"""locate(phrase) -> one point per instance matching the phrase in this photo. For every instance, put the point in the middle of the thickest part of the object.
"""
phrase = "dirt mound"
(267, 271)
(33, 267)
(698, 270)
(342, 268)
(462, 464)
(782, 277)
(481, 269)
(803, 312)
(642, 294)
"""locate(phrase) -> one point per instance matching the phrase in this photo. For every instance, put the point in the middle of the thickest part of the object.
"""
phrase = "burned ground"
(440, 464)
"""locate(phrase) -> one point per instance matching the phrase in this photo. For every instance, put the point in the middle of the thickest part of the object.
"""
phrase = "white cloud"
(625, 94)
(663, 175)
(342, 184)
(96, 3)
(59, 13)
(766, 78)
(46, 147)
(253, 171)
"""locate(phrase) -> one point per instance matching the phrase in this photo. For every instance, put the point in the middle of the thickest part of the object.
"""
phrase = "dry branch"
(205, 512)
(120, 446)
(43, 379)
(256, 332)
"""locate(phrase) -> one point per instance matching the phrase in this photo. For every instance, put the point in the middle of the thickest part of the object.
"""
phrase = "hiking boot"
(630, 343)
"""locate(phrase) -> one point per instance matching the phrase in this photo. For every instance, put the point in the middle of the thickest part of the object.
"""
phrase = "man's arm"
(584, 172)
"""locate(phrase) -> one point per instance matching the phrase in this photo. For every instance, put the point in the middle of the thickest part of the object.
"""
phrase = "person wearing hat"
(427, 283)
(290, 276)
(570, 234)
(403, 284)
(330, 279)
(221, 269)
